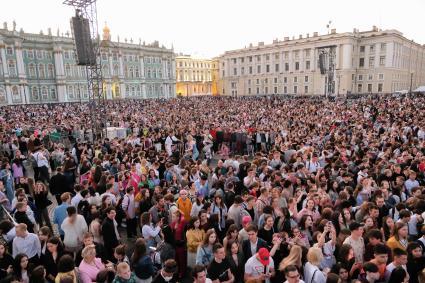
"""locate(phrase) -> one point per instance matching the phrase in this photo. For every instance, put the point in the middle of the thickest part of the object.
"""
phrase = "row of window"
(369, 77)
(268, 69)
(77, 92)
(275, 90)
(372, 61)
(285, 80)
(194, 64)
(372, 47)
(16, 95)
(370, 88)
(41, 71)
(285, 54)
(39, 54)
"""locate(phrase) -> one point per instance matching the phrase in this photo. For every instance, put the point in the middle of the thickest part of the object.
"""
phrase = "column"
(3, 59)
(111, 67)
(59, 65)
(142, 67)
(20, 62)
(62, 97)
(122, 91)
(9, 95)
(121, 74)
(164, 69)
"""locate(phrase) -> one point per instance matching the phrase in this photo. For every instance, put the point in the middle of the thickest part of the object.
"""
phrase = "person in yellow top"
(194, 236)
(184, 205)
(399, 237)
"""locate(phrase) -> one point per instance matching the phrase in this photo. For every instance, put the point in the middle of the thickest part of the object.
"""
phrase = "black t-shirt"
(219, 270)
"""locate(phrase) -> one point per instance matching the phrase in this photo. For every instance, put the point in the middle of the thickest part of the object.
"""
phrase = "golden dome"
(106, 33)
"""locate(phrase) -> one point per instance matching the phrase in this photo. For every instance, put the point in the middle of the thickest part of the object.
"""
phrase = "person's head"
(146, 218)
(54, 244)
(252, 231)
(268, 221)
(232, 232)
(183, 194)
(399, 256)
(246, 220)
(110, 212)
(374, 236)
(66, 263)
(169, 269)
(380, 252)
(333, 278)
(210, 237)
(3, 248)
(44, 233)
(219, 252)
(21, 206)
(263, 256)
(21, 230)
(89, 253)
(72, 213)
(356, 229)
(414, 250)
(399, 275)
(346, 252)
(340, 269)
(20, 263)
(199, 274)
(371, 270)
(291, 274)
(66, 197)
(315, 256)
(123, 270)
(38, 274)
(194, 222)
(400, 230)
(306, 222)
(139, 250)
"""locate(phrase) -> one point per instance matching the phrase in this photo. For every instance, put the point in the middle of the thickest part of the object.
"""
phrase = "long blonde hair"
(294, 258)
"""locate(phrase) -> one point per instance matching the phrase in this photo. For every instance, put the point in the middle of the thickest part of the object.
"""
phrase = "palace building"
(41, 68)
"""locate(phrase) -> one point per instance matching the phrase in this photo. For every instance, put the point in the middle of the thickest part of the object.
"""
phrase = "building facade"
(373, 61)
(39, 68)
(196, 76)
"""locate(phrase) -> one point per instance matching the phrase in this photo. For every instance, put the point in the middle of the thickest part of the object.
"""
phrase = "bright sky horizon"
(206, 29)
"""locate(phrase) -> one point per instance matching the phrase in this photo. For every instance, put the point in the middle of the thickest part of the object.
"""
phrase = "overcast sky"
(208, 28)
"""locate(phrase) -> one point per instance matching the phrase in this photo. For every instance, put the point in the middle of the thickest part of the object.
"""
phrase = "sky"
(207, 28)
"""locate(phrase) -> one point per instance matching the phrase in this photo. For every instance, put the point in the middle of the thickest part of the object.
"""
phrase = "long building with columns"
(375, 61)
(41, 68)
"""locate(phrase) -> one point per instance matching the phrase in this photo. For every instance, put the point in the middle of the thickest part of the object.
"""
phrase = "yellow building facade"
(196, 76)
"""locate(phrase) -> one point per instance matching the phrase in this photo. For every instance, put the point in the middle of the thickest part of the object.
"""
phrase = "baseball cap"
(264, 256)
(246, 219)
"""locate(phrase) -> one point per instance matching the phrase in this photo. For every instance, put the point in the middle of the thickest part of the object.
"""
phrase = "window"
(295, 79)
(9, 50)
(250, 59)
(372, 48)
(235, 71)
(353, 77)
(362, 49)
(250, 69)
(249, 82)
(306, 79)
(104, 57)
(285, 89)
(297, 54)
(370, 77)
(267, 57)
(242, 71)
(258, 69)
(306, 89)
(266, 90)
(137, 73)
(295, 89)
(234, 60)
(297, 66)
(31, 70)
(48, 55)
(275, 90)
(258, 90)
(44, 93)
(276, 56)
(66, 54)
(258, 81)
(41, 71)
(380, 86)
(3, 98)
(16, 97)
(286, 54)
(115, 70)
(359, 88)
(307, 65)
(369, 87)
(12, 68)
(114, 56)
(286, 67)
(242, 60)
(275, 80)
(276, 67)
(371, 62)
(267, 68)
(249, 90)
(382, 61)
(361, 62)
(360, 77)
(380, 76)
(258, 58)
(53, 95)
(266, 81)
(30, 53)
(34, 93)
(383, 47)
(70, 92)
(68, 71)
(285, 80)
(50, 71)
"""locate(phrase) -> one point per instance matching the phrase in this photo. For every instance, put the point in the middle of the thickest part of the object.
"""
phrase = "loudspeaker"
(322, 67)
(83, 42)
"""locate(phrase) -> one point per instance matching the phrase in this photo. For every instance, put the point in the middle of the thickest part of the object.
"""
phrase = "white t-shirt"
(255, 268)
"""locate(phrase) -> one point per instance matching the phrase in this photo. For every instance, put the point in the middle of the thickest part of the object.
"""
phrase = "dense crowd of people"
(215, 189)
